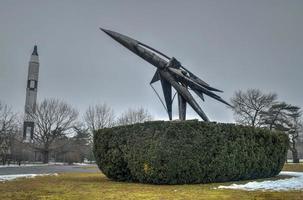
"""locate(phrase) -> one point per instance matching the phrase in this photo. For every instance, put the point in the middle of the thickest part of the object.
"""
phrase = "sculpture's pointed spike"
(108, 32)
(104, 30)
(126, 41)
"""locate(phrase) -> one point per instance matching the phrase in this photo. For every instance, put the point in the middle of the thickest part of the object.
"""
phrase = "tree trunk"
(295, 156)
(294, 152)
(45, 156)
(4, 159)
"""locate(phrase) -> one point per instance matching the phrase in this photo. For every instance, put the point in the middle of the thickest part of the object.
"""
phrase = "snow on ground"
(41, 164)
(23, 165)
(290, 161)
(15, 176)
(83, 164)
(294, 183)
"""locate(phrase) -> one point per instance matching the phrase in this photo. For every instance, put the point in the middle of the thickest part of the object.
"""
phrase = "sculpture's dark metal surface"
(171, 74)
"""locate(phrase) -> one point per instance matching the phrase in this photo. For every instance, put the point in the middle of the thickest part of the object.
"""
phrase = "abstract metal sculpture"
(171, 74)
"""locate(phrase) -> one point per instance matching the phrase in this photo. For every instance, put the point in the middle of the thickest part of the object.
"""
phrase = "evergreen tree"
(285, 117)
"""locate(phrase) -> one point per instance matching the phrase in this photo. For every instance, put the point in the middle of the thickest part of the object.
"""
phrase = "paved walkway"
(47, 169)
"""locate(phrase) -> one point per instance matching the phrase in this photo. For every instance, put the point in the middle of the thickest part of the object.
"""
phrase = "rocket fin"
(200, 94)
(156, 77)
(213, 89)
(167, 91)
(197, 79)
(182, 107)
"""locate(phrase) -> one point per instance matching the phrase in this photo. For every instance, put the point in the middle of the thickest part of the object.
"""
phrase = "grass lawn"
(96, 186)
(293, 167)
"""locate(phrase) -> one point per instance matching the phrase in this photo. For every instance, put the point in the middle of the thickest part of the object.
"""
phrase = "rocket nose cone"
(122, 39)
(104, 30)
(35, 51)
(109, 32)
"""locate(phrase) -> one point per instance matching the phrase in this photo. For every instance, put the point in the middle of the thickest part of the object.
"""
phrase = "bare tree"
(99, 116)
(53, 119)
(132, 116)
(248, 106)
(8, 130)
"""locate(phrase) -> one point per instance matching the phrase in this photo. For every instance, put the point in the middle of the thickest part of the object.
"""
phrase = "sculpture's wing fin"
(197, 79)
(200, 81)
(167, 91)
(212, 89)
(182, 107)
(200, 94)
(200, 90)
(218, 98)
(221, 100)
(156, 77)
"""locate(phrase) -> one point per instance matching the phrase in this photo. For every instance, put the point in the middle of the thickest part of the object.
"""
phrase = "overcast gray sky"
(232, 45)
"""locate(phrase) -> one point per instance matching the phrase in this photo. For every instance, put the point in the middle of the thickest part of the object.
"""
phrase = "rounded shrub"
(180, 152)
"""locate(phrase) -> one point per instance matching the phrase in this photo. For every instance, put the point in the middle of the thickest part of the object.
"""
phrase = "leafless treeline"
(60, 133)
(8, 130)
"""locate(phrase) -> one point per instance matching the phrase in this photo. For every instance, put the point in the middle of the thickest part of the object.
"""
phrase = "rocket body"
(31, 96)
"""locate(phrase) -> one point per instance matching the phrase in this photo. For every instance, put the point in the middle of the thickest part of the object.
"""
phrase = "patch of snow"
(293, 183)
(15, 176)
(57, 163)
(82, 164)
(41, 164)
(290, 161)
(22, 165)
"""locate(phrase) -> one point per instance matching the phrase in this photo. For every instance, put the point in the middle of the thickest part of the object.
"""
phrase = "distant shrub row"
(188, 152)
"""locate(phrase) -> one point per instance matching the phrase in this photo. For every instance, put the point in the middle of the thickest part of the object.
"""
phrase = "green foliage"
(188, 152)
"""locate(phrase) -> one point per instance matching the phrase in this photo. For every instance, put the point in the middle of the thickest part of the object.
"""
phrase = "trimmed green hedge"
(182, 152)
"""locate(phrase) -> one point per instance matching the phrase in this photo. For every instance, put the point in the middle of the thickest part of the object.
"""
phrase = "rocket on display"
(171, 74)
(31, 96)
